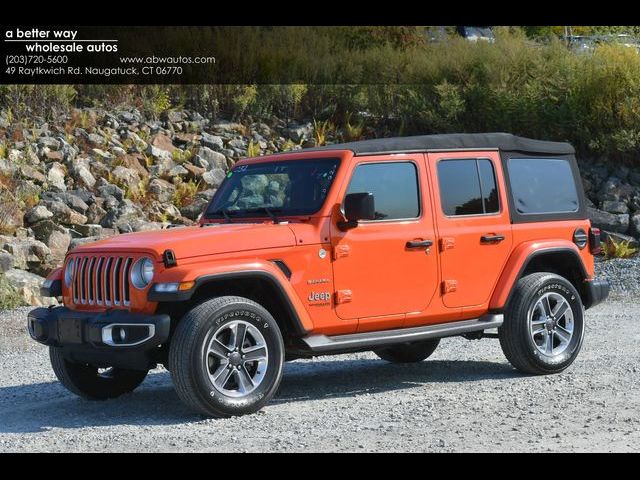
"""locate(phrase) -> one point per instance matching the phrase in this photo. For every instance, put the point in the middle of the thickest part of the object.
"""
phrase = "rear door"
(473, 224)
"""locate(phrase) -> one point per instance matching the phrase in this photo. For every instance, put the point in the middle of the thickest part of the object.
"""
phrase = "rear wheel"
(408, 352)
(93, 383)
(543, 327)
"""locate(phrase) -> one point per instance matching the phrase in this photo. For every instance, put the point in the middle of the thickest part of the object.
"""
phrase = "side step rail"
(362, 341)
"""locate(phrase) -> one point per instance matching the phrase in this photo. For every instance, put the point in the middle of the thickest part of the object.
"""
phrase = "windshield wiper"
(267, 210)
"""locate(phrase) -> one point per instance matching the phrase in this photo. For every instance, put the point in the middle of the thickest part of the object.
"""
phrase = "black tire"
(87, 382)
(408, 352)
(516, 338)
(192, 370)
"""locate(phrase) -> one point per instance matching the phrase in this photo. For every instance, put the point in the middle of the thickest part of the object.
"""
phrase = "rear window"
(468, 187)
(542, 185)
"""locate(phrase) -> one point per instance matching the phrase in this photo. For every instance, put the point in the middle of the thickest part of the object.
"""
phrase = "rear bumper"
(118, 338)
(597, 292)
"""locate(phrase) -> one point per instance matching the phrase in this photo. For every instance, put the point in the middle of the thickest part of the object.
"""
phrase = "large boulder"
(64, 214)
(26, 252)
(54, 236)
(214, 177)
(212, 141)
(37, 213)
(162, 142)
(6, 261)
(163, 190)
(212, 159)
(56, 177)
(28, 286)
(608, 221)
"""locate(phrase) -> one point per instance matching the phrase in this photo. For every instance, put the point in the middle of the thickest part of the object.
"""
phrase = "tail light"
(594, 241)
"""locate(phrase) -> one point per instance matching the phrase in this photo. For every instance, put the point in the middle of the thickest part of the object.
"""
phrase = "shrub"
(321, 131)
(185, 193)
(253, 150)
(9, 297)
(621, 249)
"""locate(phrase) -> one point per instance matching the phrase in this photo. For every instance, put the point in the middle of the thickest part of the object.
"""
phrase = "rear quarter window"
(542, 185)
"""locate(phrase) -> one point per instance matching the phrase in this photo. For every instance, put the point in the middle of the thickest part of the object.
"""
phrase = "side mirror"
(357, 206)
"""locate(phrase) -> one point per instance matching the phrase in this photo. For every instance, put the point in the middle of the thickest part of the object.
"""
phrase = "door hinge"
(340, 251)
(343, 296)
(447, 243)
(449, 286)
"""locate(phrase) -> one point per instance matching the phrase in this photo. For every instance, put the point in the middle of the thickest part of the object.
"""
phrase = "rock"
(635, 225)
(37, 213)
(178, 171)
(96, 140)
(11, 217)
(608, 221)
(84, 175)
(31, 173)
(619, 238)
(88, 230)
(135, 162)
(69, 199)
(185, 139)
(95, 214)
(56, 176)
(48, 142)
(193, 171)
(214, 177)
(163, 190)
(6, 261)
(162, 142)
(64, 214)
(172, 212)
(227, 127)
(28, 287)
(173, 116)
(195, 208)
(211, 141)
(108, 189)
(143, 226)
(211, 158)
(101, 154)
(26, 252)
(126, 176)
(54, 156)
(54, 236)
(613, 206)
(298, 133)
(76, 242)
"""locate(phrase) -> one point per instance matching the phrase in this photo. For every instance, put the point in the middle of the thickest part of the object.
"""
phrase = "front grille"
(101, 280)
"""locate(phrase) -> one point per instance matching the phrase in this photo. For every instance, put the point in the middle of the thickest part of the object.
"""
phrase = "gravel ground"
(465, 397)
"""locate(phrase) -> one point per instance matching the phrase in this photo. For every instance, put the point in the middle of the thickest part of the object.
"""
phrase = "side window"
(468, 187)
(542, 185)
(394, 186)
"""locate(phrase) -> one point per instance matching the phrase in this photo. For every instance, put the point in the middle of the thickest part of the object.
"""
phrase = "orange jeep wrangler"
(385, 245)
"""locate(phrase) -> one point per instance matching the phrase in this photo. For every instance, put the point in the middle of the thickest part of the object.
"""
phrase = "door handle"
(419, 244)
(491, 238)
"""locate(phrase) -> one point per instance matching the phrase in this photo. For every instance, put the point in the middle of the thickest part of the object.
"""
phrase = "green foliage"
(181, 156)
(185, 193)
(156, 100)
(321, 130)
(47, 101)
(3, 150)
(621, 249)
(9, 297)
(253, 150)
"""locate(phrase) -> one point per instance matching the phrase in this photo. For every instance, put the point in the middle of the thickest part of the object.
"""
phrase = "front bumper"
(597, 292)
(116, 339)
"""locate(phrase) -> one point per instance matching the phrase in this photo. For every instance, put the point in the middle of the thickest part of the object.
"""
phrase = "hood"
(197, 241)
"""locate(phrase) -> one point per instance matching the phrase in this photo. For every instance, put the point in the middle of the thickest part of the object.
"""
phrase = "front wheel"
(544, 324)
(226, 357)
(92, 383)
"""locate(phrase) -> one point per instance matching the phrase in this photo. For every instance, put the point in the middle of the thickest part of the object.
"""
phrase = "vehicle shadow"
(42, 406)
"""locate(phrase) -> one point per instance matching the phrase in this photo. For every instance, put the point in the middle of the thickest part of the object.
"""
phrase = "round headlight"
(142, 273)
(68, 273)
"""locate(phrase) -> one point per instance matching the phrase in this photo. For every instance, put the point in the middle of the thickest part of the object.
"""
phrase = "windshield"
(293, 187)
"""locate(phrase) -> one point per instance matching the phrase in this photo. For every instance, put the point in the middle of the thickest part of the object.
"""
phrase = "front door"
(384, 267)
(474, 230)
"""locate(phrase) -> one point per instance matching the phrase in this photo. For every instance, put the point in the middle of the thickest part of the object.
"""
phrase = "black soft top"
(453, 141)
